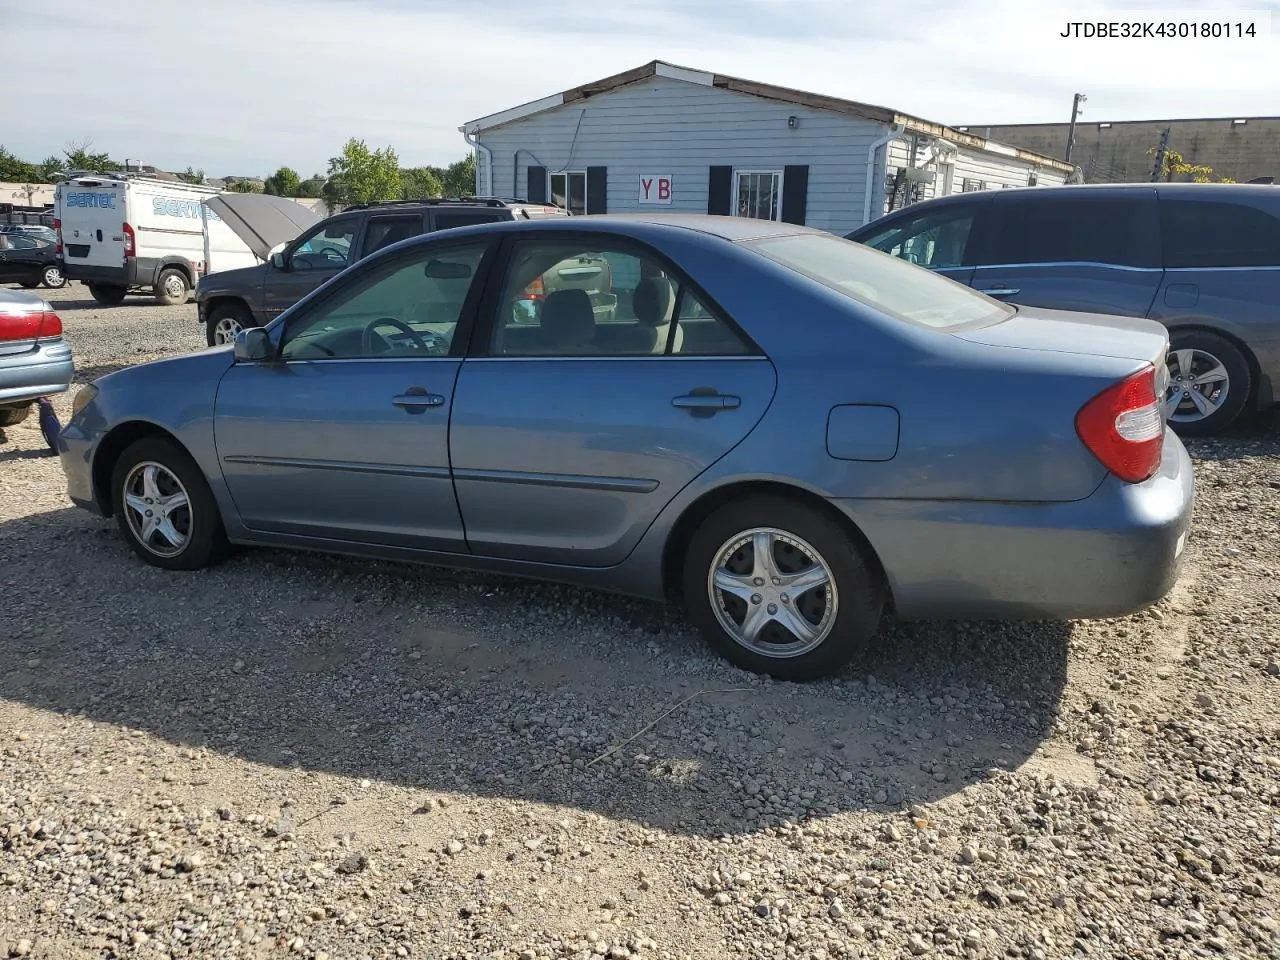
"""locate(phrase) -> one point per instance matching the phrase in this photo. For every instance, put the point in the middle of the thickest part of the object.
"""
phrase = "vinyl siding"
(665, 127)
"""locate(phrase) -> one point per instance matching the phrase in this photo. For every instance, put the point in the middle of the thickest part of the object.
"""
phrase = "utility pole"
(1160, 152)
(1071, 133)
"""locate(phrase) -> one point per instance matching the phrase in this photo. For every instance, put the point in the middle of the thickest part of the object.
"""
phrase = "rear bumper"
(133, 273)
(41, 372)
(1108, 555)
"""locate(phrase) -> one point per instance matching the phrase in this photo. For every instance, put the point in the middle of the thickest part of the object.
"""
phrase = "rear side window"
(1200, 233)
(1071, 229)
(935, 239)
(446, 220)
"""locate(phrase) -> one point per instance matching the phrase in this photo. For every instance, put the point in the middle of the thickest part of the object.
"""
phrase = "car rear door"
(1068, 250)
(93, 216)
(940, 237)
(382, 230)
(572, 429)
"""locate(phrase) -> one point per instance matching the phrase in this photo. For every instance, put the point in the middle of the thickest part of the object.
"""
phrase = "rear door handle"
(1000, 291)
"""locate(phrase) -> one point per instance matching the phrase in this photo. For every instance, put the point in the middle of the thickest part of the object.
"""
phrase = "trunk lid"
(1089, 334)
(92, 213)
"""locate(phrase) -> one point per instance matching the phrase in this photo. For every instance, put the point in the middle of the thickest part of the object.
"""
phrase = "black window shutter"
(537, 185)
(720, 191)
(597, 189)
(795, 193)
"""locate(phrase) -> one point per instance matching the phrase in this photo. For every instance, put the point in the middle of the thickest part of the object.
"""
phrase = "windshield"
(892, 286)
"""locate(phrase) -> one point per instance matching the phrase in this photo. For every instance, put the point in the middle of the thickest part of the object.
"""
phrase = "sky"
(241, 87)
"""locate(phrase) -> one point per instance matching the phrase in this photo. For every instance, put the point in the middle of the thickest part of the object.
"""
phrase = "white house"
(662, 136)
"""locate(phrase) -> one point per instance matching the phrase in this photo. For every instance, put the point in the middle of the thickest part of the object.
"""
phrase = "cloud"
(248, 85)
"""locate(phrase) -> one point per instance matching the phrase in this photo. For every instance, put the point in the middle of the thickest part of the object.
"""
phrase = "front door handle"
(1000, 291)
(417, 399)
(705, 401)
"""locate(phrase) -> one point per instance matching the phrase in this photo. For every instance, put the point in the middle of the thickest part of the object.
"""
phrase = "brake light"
(28, 324)
(1123, 427)
(535, 290)
(130, 242)
(57, 227)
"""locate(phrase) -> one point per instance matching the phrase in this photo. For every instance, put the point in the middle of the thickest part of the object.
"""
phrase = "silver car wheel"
(52, 277)
(773, 593)
(174, 286)
(226, 329)
(157, 508)
(1198, 386)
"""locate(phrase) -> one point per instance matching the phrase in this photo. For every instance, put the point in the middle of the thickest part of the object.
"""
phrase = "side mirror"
(253, 345)
(277, 260)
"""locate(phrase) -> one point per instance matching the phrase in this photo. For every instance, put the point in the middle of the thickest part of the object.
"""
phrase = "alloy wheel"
(773, 593)
(1198, 386)
(157, 508)
(226, 329)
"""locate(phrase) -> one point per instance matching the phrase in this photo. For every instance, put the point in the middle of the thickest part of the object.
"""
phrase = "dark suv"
(231, 300)
(1203, 259)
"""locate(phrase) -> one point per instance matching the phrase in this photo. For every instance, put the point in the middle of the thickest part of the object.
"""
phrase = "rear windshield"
(893, 286)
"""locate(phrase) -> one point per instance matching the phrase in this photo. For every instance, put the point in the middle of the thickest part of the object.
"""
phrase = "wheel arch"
(108, 454)
(1255, 369)
(176, 263)
(677, 542)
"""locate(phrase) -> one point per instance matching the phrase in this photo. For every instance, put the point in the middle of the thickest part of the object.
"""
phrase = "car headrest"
(568, 319)
(651, 301)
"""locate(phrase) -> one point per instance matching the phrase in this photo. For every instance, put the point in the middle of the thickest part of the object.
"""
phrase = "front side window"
(599, 299)
(1200, 233)
(1071, 229)
(408, 308)
(758, 194)
(569, 191)
(328, 247)
(935, 239)
(886, 283)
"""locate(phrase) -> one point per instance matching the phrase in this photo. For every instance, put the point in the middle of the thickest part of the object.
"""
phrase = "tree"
(244, 186)
(192, 176)
(460, 178)
(283, 183)
(80, 157)
(361, 175)
(50, 169)
(15, 170)
(1173, 165)
(311, 189)
(419, 183)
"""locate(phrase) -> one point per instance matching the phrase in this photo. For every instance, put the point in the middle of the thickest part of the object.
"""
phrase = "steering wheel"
(371, 330)
(333, 253)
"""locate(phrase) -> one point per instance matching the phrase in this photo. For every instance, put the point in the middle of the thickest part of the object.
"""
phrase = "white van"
(121, 233)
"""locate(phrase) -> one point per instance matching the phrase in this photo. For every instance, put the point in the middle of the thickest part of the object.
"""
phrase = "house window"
(759, 194)
(569, 190)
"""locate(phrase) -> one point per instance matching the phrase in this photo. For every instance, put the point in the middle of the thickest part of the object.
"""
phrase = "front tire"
(172, 288)
(53, 278)
(108, 296)
(778, 588)
(164, 507)
(225, 321)
(28, 284)
(1209, 383)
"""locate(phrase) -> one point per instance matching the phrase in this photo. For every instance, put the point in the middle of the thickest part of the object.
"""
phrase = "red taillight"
(535, 290)
(57, 227)
(130, 242)
(1123, 427)
(29, 324)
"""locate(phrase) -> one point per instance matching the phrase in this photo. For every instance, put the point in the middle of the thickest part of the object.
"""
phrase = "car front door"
(575, 422)
(1064, 250)
(322, 253)
(344, 434)
(941, 238)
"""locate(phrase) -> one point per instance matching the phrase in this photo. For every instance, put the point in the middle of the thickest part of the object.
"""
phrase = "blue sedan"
(791, 433)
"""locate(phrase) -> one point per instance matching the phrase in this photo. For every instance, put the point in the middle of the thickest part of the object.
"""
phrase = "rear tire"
(187, 534)
(28, 284)
(53, 278)
(11, 416)
(225, 321)
(1225, 398)
(732, 586)
(172, 287)
(108, 296)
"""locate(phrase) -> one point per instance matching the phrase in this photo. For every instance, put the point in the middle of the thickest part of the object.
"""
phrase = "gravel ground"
(296, 755)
